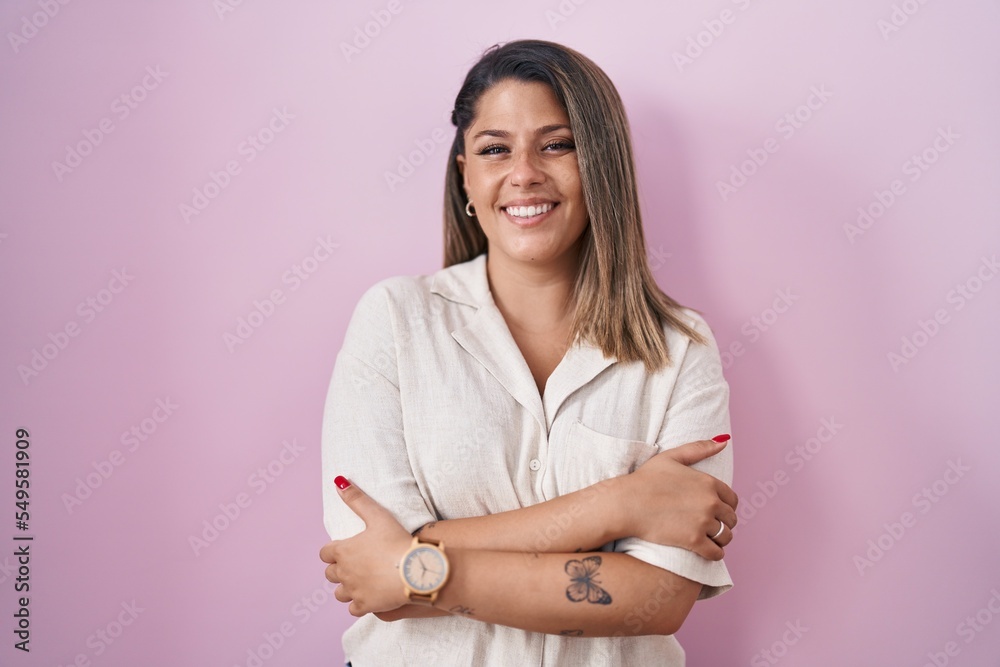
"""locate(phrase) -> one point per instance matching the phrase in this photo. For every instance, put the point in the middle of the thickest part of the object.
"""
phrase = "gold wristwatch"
(424, 570)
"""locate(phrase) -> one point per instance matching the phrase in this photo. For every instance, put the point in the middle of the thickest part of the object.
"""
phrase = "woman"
(537, 413)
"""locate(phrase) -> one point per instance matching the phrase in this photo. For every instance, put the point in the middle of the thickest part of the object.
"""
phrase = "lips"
(528, 207)
(532, 215)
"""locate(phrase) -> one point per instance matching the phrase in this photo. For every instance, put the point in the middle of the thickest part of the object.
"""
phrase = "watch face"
(424, 569)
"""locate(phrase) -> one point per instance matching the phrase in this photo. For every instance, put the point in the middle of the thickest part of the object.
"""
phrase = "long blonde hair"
(619, 306)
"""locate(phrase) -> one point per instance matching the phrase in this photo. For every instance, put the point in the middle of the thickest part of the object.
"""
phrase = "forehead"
(513, 103)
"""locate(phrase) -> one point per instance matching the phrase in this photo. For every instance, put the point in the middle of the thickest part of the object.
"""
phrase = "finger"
(706, 548)
(327, 553)
(355, 609)
(359, 501)
(727, 495)
(693, 452)
(331, 574)
(341, 594)
(717, 530)
(729, 518)
(724, 538)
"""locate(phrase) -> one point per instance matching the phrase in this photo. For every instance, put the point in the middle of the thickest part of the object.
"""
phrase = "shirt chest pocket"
(585, 456)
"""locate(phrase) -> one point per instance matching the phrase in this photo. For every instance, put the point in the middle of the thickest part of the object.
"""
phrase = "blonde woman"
(518, 456)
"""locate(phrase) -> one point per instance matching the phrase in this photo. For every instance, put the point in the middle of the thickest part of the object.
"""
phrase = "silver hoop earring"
(469, 213)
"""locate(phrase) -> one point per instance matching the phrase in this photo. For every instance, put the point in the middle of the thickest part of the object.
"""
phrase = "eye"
(493, 149)
(489, 150)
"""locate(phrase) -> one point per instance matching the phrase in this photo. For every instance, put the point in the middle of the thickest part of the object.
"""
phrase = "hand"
(669, 503)
(366, 565)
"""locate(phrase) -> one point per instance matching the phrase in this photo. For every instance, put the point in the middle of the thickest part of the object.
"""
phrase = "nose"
(526, 169)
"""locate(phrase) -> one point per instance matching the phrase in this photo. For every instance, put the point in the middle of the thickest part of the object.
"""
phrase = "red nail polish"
(722, 438)
(341, 482)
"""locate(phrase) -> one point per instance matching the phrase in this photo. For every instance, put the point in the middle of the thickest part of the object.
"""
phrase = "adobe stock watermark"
(662, 595)
(923, 502)
(914, 167)
(224, 7)
(87, 310)
(970, 628)
(796, 459)
(957, 297)
(229, 512)
(294, 278)
(248, 149)
(7, 569)
(370, 30)
(755, 327)
(786, 126)
(272, 641)
(103, 638)
(407, 164)
(131, 440)
(900, 15)
(121, 107)
(546, 537)
(752, 330)
(658, 258)
(383, 363)
(561, 12)
(779, 648)
(712, 30)
(30, 25)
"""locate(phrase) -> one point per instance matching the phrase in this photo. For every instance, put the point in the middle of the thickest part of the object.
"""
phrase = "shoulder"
(402, 293)
(680, 341)
(403, 302)
(697, 363)
(463, 284)
(380, 304)
(695, 320)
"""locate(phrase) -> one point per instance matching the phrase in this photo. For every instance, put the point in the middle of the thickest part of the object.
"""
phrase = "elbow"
(665, 622)
(669, 623)
(640, 623)
(662, 614)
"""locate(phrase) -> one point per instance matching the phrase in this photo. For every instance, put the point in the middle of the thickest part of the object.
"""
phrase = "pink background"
(353, 119)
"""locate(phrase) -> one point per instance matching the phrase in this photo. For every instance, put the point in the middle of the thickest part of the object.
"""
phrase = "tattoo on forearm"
(583, 581)
(426, 525)
(571, 633)
(459, 609)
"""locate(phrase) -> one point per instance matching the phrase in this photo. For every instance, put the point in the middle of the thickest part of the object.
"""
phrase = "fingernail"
(722, 438)
(341, 482)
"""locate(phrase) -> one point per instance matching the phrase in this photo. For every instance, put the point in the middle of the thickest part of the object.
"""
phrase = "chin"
(534, 256)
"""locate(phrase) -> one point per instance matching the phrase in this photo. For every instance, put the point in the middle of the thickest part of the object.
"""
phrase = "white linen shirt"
(433, 412)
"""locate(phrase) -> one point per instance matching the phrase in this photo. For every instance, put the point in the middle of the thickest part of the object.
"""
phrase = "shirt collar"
(487, 338)
(464, 283)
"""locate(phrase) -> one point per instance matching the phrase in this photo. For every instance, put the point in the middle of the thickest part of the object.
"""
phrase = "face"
(520, 153)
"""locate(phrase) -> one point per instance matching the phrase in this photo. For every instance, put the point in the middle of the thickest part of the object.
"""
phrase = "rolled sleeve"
(362, 432)
(698, 409)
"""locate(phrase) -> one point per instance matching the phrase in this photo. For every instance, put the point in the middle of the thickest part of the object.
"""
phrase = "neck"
(534, 298)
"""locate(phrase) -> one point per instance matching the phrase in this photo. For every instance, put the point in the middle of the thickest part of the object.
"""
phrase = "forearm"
(583, 520)
(546, 593)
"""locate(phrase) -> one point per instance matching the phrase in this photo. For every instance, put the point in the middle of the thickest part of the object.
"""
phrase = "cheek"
(483, 182)
(572, 185)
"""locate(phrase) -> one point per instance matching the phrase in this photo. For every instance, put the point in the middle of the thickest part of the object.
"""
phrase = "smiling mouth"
(528, 214)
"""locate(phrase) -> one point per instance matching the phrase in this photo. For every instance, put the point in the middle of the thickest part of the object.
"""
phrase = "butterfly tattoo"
(583, 581)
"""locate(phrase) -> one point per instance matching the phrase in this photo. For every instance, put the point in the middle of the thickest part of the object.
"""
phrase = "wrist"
(620, 500)
(424, 570)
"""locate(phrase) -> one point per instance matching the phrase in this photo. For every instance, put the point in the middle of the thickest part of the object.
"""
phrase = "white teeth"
(528, 211)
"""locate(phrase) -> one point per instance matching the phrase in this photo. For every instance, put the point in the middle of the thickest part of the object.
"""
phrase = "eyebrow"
(504, 134)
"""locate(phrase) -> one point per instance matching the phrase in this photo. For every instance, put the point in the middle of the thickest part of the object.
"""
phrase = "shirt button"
(535, 464)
